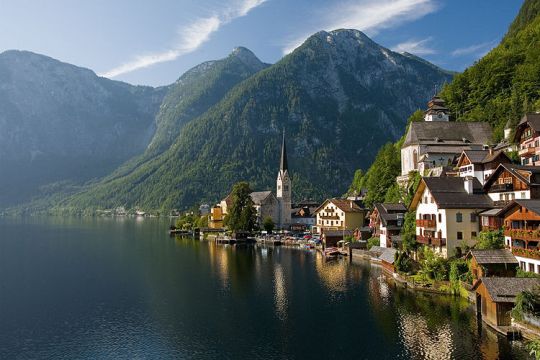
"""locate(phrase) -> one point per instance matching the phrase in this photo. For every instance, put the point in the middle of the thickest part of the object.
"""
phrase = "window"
(501, 197)
(531, 267)
(473, 234)
(523, 195)
(474, 217)
(459, 217)
(432, 200)
(440, 218)
(286, 187)
(459, 235)
(425, 200)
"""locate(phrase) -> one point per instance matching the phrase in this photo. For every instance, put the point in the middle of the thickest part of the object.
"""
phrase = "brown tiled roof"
(500, 256)
(448, 133)
(449, 193)
(344, 205)
(505, 289)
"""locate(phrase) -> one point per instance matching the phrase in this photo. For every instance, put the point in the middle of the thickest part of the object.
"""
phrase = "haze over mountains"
(339, 97)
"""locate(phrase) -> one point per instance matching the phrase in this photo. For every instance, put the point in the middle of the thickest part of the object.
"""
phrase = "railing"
(523, 234)
(426, 223)
(501, 187)
(527, 152)
(528, 253)
(429, 240)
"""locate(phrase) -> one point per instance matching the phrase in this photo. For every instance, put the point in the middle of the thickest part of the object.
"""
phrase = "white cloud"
(369, 16)
(416, 47)
(190, 38)
(476, 50)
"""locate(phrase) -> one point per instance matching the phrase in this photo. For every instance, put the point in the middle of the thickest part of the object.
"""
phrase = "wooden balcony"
(528, 235)
(527, 253)
(501, 188)
(330, 217)
(426, 223)
(429, 240)
(527, 152)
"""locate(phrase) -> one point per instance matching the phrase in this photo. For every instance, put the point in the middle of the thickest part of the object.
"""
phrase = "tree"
(268, 224)
(242, 216)
(408, 231)
(490, 240)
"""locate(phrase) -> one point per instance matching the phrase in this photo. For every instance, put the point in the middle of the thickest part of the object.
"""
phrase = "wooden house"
(480, 163)
(509, 182)
(387, 259)
(528, 136)
(496, 296)
(386, 220)
(489, 263)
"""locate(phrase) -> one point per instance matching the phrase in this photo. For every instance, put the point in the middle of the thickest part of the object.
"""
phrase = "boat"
(331, 251)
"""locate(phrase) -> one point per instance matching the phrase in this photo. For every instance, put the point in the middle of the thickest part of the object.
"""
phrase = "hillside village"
(474, 206)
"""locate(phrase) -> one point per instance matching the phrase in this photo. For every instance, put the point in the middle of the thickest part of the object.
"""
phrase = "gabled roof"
(505, 289)
(448, 133)
(388, 255)
(531, 178)
(258, 197)
(390, 212)
(532, 120)
(530, 204)
(499, 256)
(449, 193)
(348, 206)
(483, 156)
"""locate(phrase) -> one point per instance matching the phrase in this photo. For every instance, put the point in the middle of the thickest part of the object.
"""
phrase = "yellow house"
(339, 214)
(216, 218)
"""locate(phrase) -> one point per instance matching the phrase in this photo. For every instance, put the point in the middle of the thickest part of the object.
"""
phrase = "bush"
(490, 240)
(373, 241)
(432, 265)
(403, 262)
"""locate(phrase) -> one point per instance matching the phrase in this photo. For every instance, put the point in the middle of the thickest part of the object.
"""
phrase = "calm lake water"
(122, 289)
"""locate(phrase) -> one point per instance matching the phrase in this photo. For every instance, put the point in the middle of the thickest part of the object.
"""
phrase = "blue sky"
(154, 42)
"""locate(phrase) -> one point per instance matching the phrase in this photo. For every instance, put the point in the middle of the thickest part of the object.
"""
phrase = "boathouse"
(496, 296)
(489, 263)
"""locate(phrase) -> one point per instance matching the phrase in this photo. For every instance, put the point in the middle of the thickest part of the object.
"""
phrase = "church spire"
(283, 166)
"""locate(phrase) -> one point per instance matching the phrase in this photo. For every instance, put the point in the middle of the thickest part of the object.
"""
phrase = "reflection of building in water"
(418, 338)
(280, 292)
(332, 273)
(219, 260)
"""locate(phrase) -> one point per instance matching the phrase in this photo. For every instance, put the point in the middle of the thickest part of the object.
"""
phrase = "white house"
(480, 163)
(447, 213)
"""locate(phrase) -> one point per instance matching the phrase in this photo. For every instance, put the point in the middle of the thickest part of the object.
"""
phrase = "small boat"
(331, 251)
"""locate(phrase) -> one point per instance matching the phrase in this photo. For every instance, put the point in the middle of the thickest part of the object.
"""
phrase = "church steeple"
(283, 166)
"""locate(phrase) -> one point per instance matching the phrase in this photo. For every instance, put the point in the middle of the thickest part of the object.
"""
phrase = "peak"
(246, 56)
(344, 38)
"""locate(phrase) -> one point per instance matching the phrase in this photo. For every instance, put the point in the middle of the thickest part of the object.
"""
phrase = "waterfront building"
(509, 182)
(216, 218)
(303, 216)
(386, 220)
(387, 259)
(489, 263)
(447, 211)
(266, 204)
(527, 135)
(496, 296)
(436, 141)
(480, 163)
(522, 232)
(339, 214)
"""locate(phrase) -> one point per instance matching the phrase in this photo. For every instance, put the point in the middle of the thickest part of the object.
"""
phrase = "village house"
(527, 135)
(386, 220)
(339, 214)
(303, 215)
(216, 218)
(509, 182)
(489, 263)
(491, 220)
(447, 211)
(436, 141)
(496, 296)
(480, 163)
(387, 259)
(522, 232)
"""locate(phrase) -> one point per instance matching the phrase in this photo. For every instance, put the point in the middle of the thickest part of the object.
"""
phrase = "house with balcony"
(491, 220)
(480, 163)
(339, 214)
(386, 221)
(527, 135)
(436, 141)
(509, 182)
(522, 232)
(447, 211)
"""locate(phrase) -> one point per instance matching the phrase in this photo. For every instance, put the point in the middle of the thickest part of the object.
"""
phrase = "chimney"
(468, 183)
(490, 150)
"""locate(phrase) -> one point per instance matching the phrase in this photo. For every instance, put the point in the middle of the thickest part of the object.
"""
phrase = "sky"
(155, 42)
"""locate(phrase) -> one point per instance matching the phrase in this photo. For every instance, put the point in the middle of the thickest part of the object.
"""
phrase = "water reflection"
(280, 292)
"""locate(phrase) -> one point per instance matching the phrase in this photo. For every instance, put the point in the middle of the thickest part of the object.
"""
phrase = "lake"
(96, 288)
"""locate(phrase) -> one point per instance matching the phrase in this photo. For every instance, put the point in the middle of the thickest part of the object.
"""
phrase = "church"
(277, 206)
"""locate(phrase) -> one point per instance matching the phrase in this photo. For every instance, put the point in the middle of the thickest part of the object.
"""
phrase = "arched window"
(415, 159)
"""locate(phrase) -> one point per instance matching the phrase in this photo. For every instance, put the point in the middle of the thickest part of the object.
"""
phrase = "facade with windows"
(447, 211)
(527, 135)
(339, 214)
(511, 182)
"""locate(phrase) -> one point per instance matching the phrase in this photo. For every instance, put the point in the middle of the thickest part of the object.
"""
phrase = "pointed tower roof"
(283, 166)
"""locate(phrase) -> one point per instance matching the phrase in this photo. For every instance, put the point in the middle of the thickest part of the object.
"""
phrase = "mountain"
(339, 97)
(59, 122)
(196, 91)
(504, 84)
